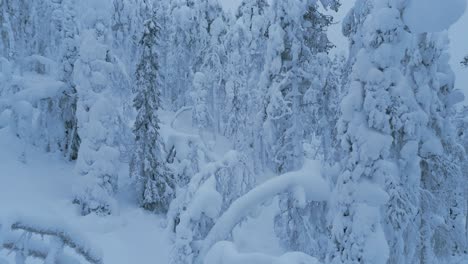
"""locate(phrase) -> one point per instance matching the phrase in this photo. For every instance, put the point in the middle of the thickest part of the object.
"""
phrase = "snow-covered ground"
(40, 185)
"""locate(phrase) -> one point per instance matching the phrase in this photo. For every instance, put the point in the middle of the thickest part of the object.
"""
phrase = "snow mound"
(433, 15)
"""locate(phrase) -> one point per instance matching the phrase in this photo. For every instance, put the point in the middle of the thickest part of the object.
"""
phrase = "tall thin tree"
(154, 181)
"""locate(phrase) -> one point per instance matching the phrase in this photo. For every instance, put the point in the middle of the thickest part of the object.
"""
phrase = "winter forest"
(233, 132)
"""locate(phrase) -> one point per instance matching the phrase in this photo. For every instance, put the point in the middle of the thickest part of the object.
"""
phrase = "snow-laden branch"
(305, 184)
(55, 230)
(178, 113)
(35, 249)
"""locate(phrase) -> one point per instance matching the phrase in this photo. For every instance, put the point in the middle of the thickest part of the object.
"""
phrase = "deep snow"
(40, 185)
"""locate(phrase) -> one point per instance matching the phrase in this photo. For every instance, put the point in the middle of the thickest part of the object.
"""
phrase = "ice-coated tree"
(443, 196)
(154, 181)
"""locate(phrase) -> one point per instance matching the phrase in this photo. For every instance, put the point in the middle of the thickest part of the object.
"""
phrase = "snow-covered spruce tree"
(375, 201)
(308, 85)
(154, 181)
(443, 196)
